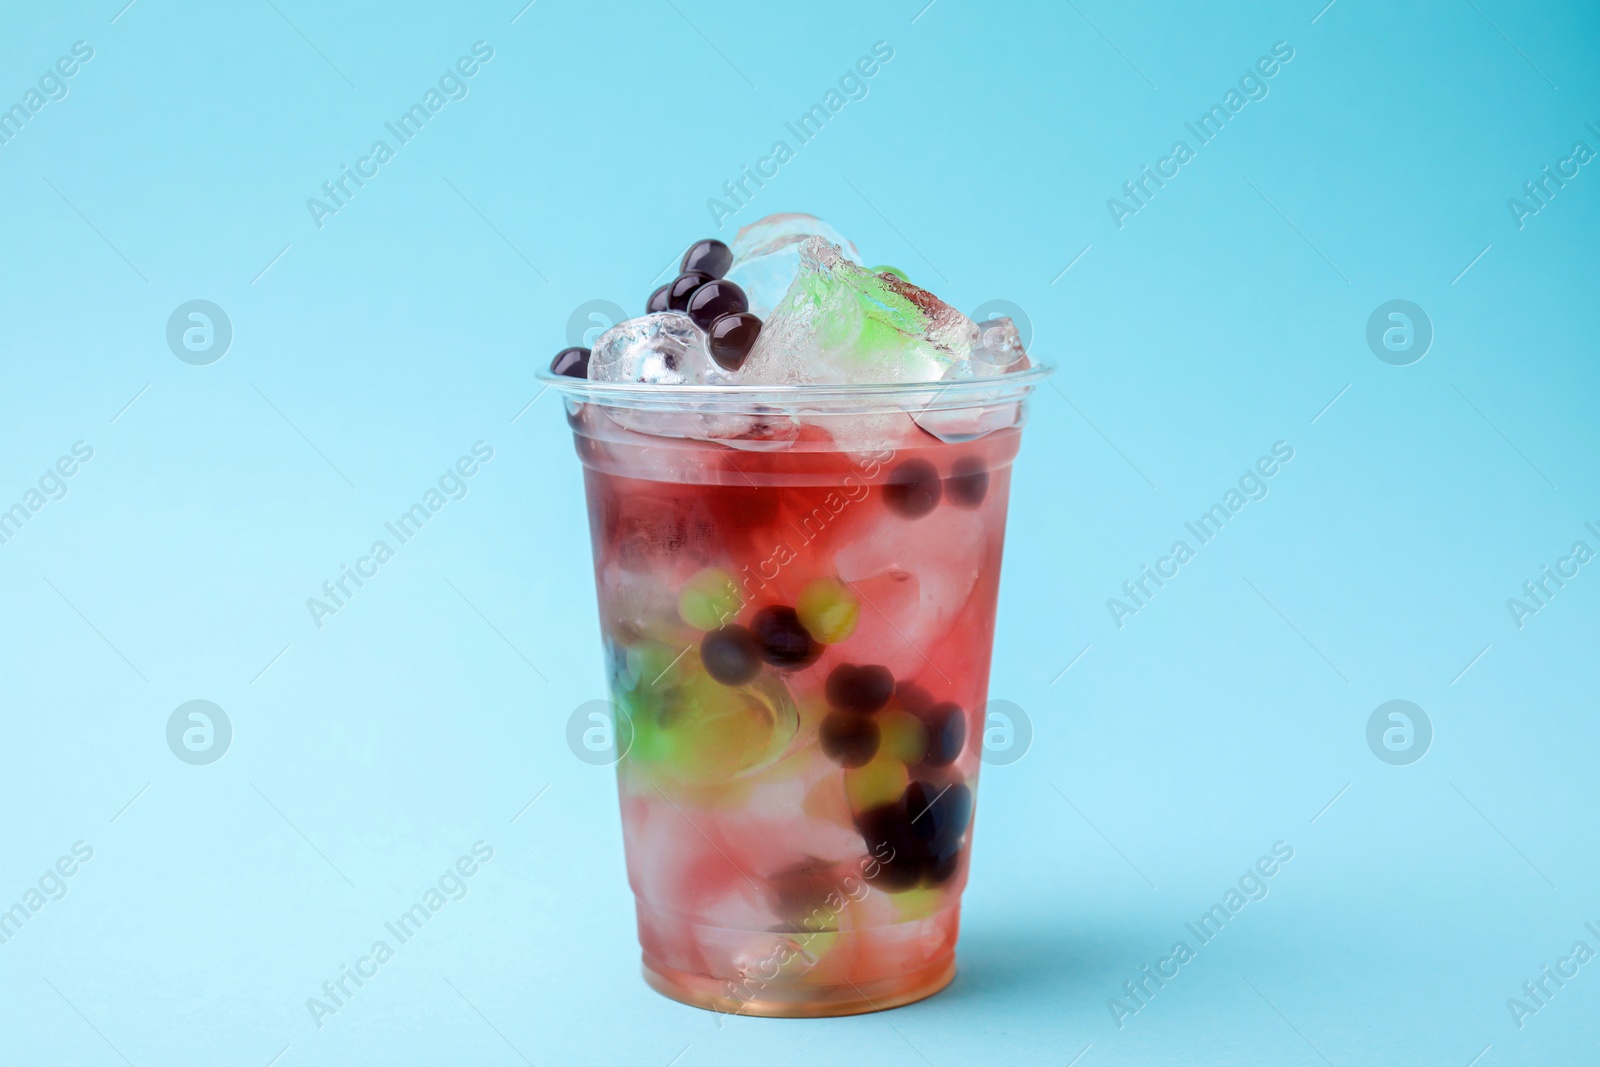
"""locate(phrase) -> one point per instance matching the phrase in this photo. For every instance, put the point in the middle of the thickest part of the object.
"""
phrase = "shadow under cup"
(797, 592)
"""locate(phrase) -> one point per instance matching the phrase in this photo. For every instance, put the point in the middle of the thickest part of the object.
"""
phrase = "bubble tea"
(797, 470)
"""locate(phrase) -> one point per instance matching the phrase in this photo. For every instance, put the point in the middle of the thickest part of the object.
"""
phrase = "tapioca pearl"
(900, 857)
(968, 483)
(901, 873)
(571, 362)
(716, 298)
(731, 655)
(713, 734)
(943, 868)
(828, 610)
(881, 780)
(710, 256)
(709, 600)
(947, 733)
(938, 814)
(863, 689)
(849, 740)
(659, 300)
(923, 902)
(730, 338)
(905, 737)
(796, 891)
(682, 287)
(913, 489)
(782, 640)
(918, 800)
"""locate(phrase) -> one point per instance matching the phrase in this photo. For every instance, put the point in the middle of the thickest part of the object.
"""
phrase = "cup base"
(821, 1002)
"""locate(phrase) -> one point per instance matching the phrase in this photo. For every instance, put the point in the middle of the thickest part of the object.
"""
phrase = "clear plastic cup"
(797, 596)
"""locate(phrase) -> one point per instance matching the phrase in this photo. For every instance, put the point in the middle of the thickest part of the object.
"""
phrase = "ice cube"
(841, 323)
(767, 235)
(664, 348)
(667, 349)
(910, 585)
(998, 351)
(999, 346)
(766, 256)
(973, 417)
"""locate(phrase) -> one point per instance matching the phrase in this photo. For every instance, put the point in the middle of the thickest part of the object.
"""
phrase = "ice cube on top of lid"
(1000, 344)
(766, 255)
(662, 348)
(841, 323)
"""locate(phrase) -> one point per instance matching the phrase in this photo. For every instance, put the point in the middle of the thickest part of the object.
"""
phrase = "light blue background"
(369, 354)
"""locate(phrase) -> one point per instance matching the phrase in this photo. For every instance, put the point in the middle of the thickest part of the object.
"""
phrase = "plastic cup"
(797, 595)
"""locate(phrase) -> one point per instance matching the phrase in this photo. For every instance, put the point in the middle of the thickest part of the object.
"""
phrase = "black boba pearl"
(939, 815)
(943, 868)
(900, 855)
(572, 362)
(860, 689)
(680, 288)
(799, 891)
(968, 482)
(947, 733)
(708, 257)
(658, 300)
(731, 655)
(848, 740)
(913, 489)
(782, 640)
(714, 299)
(732, 337)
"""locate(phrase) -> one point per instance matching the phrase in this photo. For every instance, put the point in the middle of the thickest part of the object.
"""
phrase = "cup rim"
(912, 395)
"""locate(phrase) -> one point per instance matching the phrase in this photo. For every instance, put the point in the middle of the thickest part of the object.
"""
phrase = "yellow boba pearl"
(920, 903)
(710, 599)
(881, 780)
(902, 735)
(828, 610)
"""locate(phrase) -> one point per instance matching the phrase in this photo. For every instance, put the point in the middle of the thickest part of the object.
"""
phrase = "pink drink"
(798, 643)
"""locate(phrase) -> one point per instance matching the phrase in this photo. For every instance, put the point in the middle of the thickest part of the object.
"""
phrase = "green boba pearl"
(710, 599)
(896, 271)
(708, 734)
